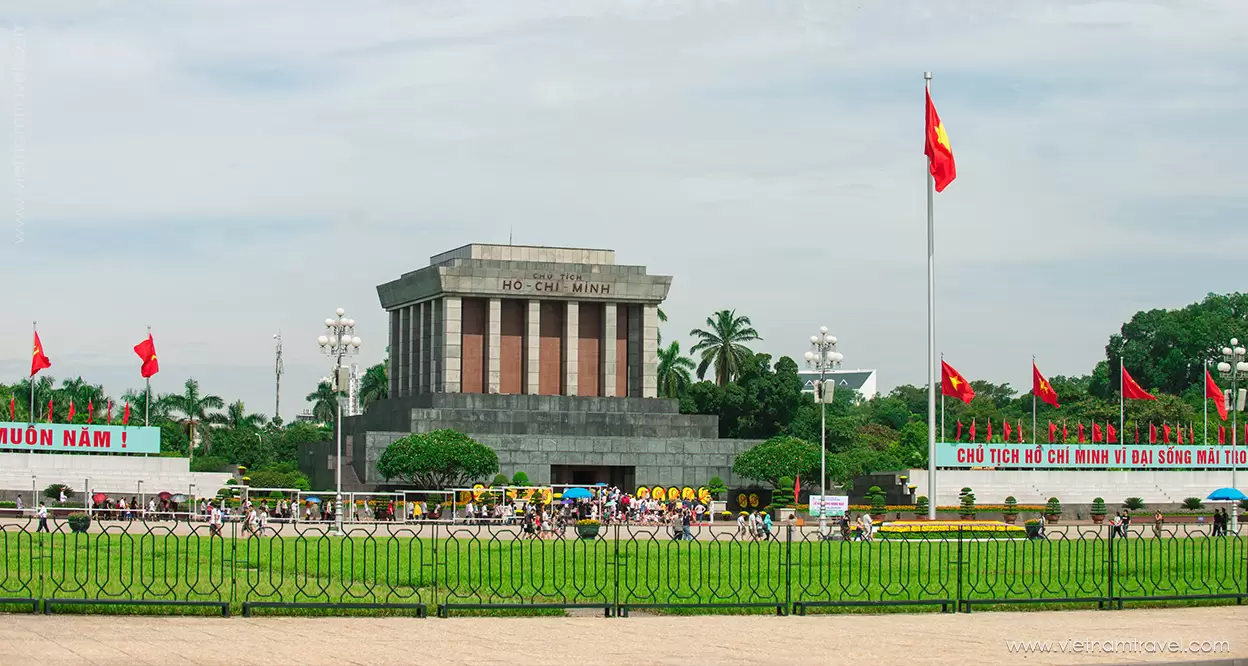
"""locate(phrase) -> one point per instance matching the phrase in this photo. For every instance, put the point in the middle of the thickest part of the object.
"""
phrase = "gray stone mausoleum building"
(547, 355)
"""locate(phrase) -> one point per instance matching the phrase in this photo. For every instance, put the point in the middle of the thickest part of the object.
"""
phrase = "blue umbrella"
(1227, 495)
(314, 500)
(577, 493)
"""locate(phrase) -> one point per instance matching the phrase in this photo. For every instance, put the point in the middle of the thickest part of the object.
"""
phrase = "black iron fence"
(415, 567)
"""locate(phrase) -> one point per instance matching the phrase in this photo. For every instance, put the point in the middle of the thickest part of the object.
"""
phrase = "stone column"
(437, 353)
(394, 358)
(609, 369)
(650, 351)
(493, 347)
(400, 349)
(532, 347)
(571, 344)
(422, 351)
(413, 350)
(634, 351)
(452, 342)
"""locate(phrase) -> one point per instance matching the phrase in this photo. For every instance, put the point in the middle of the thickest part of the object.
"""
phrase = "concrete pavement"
(918, 639)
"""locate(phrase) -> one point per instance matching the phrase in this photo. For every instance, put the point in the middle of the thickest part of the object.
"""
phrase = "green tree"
(375, 384)
(236, 416)
(673, 372)
(722, 345)
(194, 406)
(437, 460)
(324, 402)
(775, 458)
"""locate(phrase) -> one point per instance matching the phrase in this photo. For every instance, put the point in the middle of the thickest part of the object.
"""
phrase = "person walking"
(1158, 519)
(42, 513)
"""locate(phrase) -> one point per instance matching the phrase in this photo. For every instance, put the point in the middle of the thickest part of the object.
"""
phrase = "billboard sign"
(834, 506)
(79, 438)
(1089, 456)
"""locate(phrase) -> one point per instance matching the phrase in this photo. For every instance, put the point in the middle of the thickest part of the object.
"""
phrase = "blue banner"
(82, 438)
(1089, 456)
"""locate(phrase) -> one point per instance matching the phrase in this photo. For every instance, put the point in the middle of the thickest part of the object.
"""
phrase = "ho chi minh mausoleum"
(547, 355)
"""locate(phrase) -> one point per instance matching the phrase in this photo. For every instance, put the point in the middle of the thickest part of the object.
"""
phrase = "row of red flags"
(1108, 434)
(954, 385)
(125, 416)
(146, 351)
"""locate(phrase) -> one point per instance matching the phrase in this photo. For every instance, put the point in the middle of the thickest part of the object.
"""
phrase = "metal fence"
(413, 567)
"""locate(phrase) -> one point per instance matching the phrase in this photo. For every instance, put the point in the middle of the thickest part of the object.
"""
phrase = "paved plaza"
(931, 638)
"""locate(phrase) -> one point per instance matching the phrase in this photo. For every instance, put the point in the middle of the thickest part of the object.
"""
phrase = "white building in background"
(862, 381)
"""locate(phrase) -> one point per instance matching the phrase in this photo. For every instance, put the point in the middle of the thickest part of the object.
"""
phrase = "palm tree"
(674, 369)
(45, 388)
(194, 408)
(662, 320)
(137, 399)
(375, 385)
(236, 416)
(324, 401)
(721, 345)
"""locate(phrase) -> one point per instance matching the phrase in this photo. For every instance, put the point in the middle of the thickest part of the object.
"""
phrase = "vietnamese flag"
(1040, 386)
(1165, 433)
(49, 410)
(1152, 433)
(1179, 432)
(1221, 434)
(90, 411)
(147, 352)
(1132, 390)
(1096, 433)
(936, 146)
(125, 416)
(1052, 432)
(958, 437)
(988, 432)
(1081, 438)
(38, 360)
(1020, 431)
(71, 411)
(1111, 435)
(953, 384)
(1005, 428)
(1212, 392)
(972, 433)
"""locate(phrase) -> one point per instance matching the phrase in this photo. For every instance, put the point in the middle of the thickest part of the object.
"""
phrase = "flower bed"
(937, 529)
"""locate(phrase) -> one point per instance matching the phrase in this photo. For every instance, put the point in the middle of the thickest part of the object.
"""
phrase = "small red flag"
(1191, 434)
(1212, 392)
(49, 410)
(958, 437)
(1137, 433)
(125, 416)
(110, 412)
(1040, 386)
(1096, 433)
(38, 360)
(1065, 435)
(1081, 438)
(147, 352)
(12, 408)
(797, 488)
(1052, 432)
(1165, 433)
(1179, 432)
(1005, 430)
(954, 385)
(1111, 435)
(936, 146)
(1152, 433)
(988, 432)
(71, 411)
(1132, 390)
(1221, 434)
(1020, 431)
(90, 411)
(972, 433)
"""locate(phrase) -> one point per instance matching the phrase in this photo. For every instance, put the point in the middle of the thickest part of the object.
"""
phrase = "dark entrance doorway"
(622, 476)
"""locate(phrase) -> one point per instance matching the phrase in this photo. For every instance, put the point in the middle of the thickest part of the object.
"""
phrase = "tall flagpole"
(1205, 442)
(34, 327)
(931, 334)
(942, 404)
(147, 400)
(1033, 399)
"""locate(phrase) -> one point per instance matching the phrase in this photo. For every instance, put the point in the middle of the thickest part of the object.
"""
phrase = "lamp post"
(340, 340)
(1233, 367)
(823, 357)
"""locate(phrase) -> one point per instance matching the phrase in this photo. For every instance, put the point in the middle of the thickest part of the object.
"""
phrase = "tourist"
(844, 523)
(766, 518)
(215, 518)
(1158, 519)
(62, 501)
(865, 523)
(1126, 522)
(741, 529)
(19, 505)
(1040, 531)
(1115, 525)
(42, 514)
(686, 520)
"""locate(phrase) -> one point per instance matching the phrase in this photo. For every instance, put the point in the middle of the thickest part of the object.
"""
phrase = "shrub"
(1133, 503)
(276, 495)
(520, 479)
(54, 491)
(210, 464)
(231, 482)
(878, 504)
(246, 480)
(1098, 507)
(79, 522)
(499, 481)
(921, 505)
(966, 502)
(1052, 507)
(716, 487)
(783, 496)
(223, 493)
(1011, 507)
(1192, 503)
(586, 522)
(439, 459)
(780, 456)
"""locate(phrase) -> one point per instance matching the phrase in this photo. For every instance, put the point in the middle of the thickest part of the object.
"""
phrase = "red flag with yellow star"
(1041, 387)
(939, 154)
(954, 385)
(147, 351)
(38, 359)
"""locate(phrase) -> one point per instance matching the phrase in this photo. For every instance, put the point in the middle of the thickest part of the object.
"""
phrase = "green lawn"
(644, 570)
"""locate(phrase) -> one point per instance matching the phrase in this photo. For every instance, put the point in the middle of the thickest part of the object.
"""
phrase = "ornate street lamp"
(339, 341)
(823, 357)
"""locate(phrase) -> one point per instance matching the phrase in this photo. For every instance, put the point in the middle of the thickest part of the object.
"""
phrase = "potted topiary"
(79, 522)
(717, 488)
(588, 528)
(1010, 512)
(921, 506)
(878, 502)
(1033, 528)
(966, 504)
(1098, 510)
(782, 500)
(1052, 510)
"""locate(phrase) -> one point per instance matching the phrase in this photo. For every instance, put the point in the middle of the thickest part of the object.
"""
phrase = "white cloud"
(220, 172)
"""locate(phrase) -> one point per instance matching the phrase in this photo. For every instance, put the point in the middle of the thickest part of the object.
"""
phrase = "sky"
(224, 171)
